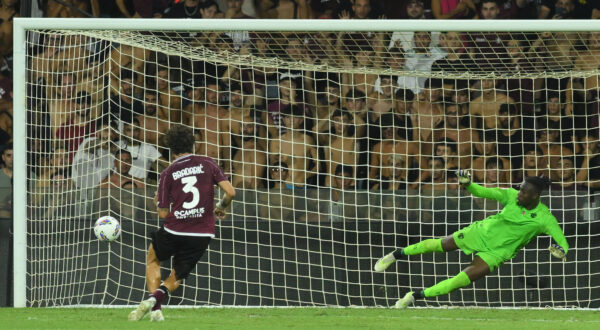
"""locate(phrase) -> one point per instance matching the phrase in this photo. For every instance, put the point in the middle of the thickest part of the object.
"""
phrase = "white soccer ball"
(107, 228)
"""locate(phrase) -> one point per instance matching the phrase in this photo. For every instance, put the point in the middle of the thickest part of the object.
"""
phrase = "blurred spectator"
(556, 118)
(455, 58)
(328, 102)
(463, 137)
(79, 126)
(589, 173)
(62, 104)
(76, 8)
(57, 198)
(169, 99)
(234, 9)
(566, 178)
(534, 164)
(289, 95)
(394, 174)
(381, 99)
(208, 116)
(295, 147)
(549, 141)
(145, 156)
(448, 151)
(121, 173)
(6, 110)
(6, 182)
(152, 126)
(190, 9)
(9, 9)
(427, 115)
(495, 175)
(121, 105)
(93, 160)
(402, 111)
(391, 143)
(487, 106)
(509, 136)
(490, 151)
(278, 176)
(454, 9)
(343, 180)
(361, 9)
(435, 177)
(490, 9)
(250, 160)
(355, 102)
(286, 9)
(342, 148)
(421, 57)
(562, 9)
(415, 9)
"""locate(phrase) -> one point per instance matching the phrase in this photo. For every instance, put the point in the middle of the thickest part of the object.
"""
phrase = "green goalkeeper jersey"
(509, 231)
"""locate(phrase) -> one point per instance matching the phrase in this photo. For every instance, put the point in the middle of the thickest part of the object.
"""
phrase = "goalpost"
(312, 238)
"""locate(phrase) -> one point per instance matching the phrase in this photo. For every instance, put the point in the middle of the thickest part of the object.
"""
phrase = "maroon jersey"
(187, 188)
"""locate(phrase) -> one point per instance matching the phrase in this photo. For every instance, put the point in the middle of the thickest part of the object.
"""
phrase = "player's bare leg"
(153, 277)
(426, 246)
(152, 270)
(160, 294)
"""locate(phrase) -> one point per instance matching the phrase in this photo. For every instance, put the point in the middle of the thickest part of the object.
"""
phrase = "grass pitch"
(301, 318)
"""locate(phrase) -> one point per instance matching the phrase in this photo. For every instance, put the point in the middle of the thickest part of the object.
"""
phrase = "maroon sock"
(160, 294)
(157, 306)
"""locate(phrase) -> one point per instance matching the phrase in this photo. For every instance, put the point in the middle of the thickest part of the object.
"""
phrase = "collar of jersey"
(182, 157)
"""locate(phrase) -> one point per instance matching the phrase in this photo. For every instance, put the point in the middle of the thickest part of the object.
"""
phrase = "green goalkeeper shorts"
(469, 241)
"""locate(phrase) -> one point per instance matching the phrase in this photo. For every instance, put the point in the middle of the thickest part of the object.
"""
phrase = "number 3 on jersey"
(190, 182)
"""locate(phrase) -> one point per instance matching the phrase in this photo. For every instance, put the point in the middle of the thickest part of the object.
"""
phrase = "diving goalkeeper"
(495, 239)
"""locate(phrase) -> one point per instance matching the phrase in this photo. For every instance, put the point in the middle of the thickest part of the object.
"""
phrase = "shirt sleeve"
(553, 229)
(164, 198)
(497, 194)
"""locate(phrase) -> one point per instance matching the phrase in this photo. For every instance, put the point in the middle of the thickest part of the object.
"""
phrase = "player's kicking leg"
(153, 305)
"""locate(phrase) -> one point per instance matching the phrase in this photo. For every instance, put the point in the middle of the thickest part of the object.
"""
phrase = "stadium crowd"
(98, 111)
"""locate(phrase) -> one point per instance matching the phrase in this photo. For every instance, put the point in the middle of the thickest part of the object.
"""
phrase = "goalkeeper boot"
(384, 262)
(157, 316)
(143, 309)
(406, 301)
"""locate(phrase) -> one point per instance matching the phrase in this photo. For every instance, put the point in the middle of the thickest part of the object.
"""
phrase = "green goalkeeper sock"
(426, 246)
(446, 286)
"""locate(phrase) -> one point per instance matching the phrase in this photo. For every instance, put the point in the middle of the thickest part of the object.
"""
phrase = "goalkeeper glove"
(557, 251)
(464, 177)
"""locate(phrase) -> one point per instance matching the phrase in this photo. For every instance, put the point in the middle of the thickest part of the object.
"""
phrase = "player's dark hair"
(540, 183)
(180, 139)
(405, 95)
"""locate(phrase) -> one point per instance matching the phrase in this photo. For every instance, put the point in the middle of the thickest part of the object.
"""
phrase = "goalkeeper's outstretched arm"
(500, 195)
(560, 249)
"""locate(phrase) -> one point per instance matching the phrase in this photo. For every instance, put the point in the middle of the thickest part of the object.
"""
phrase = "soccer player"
(185, 200)
(495, 239)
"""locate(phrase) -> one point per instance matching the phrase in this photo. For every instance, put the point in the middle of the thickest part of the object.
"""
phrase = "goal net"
(342, 146)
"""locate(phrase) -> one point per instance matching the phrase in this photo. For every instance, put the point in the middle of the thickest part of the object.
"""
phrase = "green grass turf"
(301, 318)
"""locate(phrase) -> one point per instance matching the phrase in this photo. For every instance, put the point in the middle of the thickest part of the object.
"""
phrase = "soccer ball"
(107, 228)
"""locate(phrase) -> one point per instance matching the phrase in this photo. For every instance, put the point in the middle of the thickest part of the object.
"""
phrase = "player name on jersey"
(188, 171)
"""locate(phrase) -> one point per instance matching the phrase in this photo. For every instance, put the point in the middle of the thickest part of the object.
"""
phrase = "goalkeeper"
(495, 239)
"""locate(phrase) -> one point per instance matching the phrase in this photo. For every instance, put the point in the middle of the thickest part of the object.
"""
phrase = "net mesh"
(342, 147)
